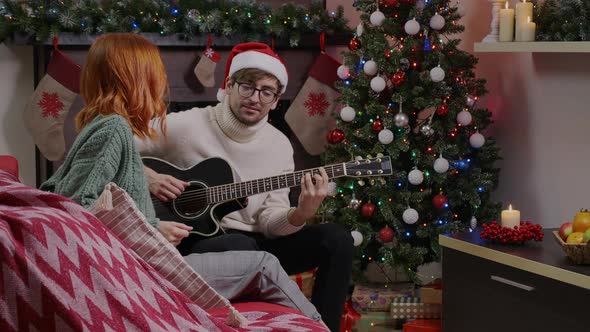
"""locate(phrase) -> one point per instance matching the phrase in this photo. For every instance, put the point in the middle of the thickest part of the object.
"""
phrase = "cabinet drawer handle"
(513, 283)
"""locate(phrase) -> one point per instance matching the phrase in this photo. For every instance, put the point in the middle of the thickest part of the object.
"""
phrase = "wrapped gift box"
(431, 293)
(305, 281)
(378, 297)
(423, 325)
(375, 322)
(413, 308)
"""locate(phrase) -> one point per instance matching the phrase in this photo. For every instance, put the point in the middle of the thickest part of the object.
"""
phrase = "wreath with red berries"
(517, 235)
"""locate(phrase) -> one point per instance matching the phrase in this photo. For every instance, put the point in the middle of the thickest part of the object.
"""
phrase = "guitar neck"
(232, 191)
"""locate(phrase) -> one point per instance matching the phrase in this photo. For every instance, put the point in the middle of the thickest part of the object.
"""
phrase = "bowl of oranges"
(574, 237)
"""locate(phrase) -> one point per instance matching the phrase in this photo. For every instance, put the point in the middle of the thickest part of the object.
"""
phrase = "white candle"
(523, 10)
(510, 218)
(506, 24)
(527, 31)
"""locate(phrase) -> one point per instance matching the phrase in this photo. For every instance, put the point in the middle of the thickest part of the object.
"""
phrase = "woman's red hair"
(124, 75)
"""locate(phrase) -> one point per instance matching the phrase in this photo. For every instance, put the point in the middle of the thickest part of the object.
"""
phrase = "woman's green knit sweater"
(103, 152)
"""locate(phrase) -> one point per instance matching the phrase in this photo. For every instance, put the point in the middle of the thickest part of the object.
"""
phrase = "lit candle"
(510, 218)
(506, 24)
(523, 10)
(527, 31)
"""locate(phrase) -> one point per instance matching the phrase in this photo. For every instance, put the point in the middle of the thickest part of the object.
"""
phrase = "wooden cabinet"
(493, 288)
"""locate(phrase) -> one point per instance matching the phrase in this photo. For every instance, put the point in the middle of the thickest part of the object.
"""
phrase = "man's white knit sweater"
(253, 152)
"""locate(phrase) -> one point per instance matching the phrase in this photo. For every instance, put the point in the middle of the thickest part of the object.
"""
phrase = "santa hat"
(254, 55)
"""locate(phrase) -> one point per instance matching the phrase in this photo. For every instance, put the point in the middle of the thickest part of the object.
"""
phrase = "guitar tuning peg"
(358, 158)
(369, 156)
(382, 181)
(361, 182)
(380, 155)
(372, 182)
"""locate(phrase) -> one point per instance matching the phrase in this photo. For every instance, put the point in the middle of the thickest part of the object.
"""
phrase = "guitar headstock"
(369, 167)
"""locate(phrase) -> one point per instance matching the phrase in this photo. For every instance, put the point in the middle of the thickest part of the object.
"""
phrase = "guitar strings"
(223, 190)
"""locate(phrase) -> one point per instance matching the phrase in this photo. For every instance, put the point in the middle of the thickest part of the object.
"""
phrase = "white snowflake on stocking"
(209, 52)
(316, 104)
(51, 105)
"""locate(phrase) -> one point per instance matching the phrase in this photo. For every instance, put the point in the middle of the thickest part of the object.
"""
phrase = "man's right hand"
(164, 186)
(174, 232)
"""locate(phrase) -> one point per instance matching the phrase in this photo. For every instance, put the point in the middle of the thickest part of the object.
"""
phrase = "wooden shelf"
(538, 47)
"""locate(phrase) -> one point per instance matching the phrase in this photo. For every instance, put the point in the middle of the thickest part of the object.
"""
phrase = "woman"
(123, 84)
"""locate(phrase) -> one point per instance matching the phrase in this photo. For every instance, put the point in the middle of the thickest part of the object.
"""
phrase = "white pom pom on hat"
(254, 55)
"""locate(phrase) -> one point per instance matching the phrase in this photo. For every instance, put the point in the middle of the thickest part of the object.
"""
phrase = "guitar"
(212, 193)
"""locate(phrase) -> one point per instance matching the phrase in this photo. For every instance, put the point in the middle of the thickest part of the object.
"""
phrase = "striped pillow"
(117, 210)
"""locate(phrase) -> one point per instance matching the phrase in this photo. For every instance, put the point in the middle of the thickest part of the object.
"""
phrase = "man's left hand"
(312, 195)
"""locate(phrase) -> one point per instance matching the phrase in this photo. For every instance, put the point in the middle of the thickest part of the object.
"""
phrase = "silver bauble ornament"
(377, 18)
(437, 74)
(357, 238)
(385, 136)
(470, 101)
(370, 68)
(427, 130)
(410, 216)
(354, 203)
(343, 72)
(477, 140)
(412, 27)
(416, 177)
(377, 84)
(473, 223)
(401, 120)
(437, 22)
(464, 118)
(360, 29)
(441, 165)
(404, 64)
(347, 114)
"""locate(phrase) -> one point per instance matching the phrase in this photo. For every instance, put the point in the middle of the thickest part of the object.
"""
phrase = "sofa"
(63, 270)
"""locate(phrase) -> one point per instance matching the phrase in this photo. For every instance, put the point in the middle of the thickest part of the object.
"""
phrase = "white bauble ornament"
(347, 114)
(441, 165)
(377, 18)
(420, 5)
(427, 130)
(473, 223)
(354, 203)
(357, 238)
(412, 27)
(437, 22)
(477, 140)
(377, 84)
(464, 118)
(437, 74)
(470, 101)
(416, 177)
(332, 188)
(410, 216)
(461, 9)
(370, 68)
(360, 29)
(343, 72)
(401, 120)
(385, 136)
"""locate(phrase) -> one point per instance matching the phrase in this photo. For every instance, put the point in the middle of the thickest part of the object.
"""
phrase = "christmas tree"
(408, 92)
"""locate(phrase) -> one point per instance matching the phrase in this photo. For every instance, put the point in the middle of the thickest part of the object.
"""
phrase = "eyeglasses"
(266, 96)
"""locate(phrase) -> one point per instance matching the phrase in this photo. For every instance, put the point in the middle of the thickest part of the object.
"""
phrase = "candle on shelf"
(523, 10)
(527, 31)
(506, 24)
(510, 218)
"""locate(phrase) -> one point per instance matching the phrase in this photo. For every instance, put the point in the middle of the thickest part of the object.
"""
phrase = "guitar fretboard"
(233, 191)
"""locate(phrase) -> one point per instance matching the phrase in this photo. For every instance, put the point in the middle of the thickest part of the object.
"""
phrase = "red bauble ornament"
(368, 210)
(443, 109)
(335, 136)
(439, 201)
(398, 79)
(386, 234)
(388, 3)
(377, 125)
(354, 44)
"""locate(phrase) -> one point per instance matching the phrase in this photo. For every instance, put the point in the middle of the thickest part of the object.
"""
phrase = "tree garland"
(42, 19)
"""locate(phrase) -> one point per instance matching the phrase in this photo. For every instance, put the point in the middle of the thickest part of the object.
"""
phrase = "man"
(237, 130)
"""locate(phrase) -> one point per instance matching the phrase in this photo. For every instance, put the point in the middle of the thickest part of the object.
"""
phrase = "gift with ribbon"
(305, 281)
(349, 317)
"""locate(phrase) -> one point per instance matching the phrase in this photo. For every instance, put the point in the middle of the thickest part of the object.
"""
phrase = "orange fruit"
(575, 237)
(582, 221)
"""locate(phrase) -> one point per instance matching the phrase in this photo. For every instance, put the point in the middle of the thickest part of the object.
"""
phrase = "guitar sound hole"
(192, 202)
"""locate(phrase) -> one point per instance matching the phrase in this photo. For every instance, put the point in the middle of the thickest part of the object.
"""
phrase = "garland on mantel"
(43, 19)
